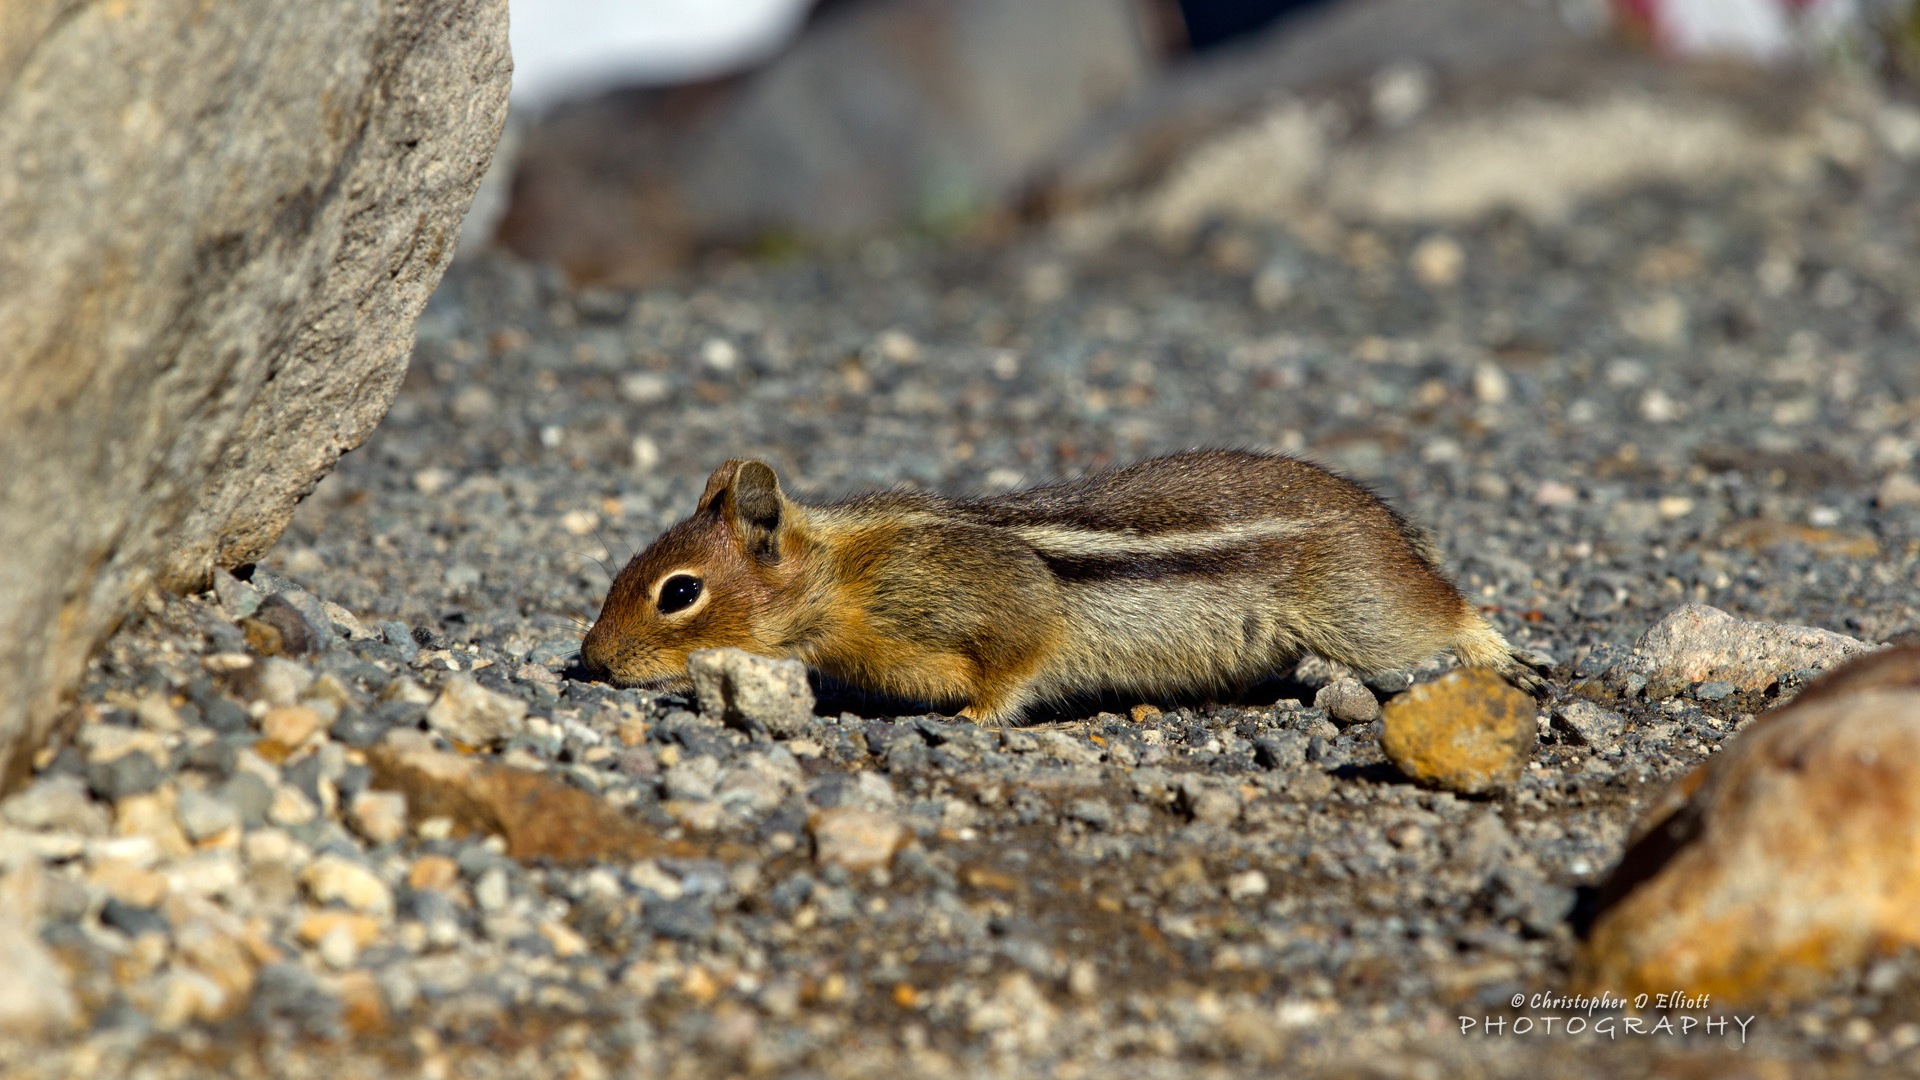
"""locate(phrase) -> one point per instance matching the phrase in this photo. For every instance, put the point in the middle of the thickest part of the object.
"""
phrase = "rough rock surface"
(1790, 859)
(217, 227)
(1697, 644)
(1467, 731)
(737, 687)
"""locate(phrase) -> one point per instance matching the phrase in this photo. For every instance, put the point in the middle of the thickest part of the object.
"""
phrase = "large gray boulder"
(218, 224)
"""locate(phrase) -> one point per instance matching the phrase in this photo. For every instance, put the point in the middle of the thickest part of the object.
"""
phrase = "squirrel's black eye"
(678, 593)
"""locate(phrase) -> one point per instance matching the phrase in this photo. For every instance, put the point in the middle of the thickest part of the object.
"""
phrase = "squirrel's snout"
(593, 654)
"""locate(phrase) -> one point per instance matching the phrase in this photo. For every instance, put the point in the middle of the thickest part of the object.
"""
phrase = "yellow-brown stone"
(433, 872)
(315, 925)
(363, 1004)
(291, 725)
(1467, 731)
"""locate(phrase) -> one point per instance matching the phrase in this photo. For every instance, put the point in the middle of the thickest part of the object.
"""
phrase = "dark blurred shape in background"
(1215, 22)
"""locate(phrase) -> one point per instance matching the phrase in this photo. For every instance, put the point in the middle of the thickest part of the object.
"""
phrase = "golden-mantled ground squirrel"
(1204, 571)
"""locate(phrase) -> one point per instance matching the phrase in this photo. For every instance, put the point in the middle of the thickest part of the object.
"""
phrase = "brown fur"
(1202, 571)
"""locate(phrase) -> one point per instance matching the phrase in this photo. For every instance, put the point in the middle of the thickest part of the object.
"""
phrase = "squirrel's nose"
(593, 654)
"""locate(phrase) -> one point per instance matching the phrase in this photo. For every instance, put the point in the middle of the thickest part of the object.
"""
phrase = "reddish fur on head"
(731, 546)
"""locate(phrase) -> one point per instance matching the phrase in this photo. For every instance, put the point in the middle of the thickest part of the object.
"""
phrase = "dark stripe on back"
(1081, 569)
(1192, 492)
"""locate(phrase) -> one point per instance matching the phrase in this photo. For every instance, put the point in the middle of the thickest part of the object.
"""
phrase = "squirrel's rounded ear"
(756, 494)
(748, 494)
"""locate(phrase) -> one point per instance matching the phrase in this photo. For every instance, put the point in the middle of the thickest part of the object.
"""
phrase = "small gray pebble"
(56, 801)
(1589, 724)
(687, 919)
(249, 796)
(1280, 749)
(310, 609)
(357, 728)
(218, 711)
(1600, 659)
(431, 906)
(1095, 812)
(392, 714)
(132, 773)
(225, 637)
(1717, 690)
(1319, 749)
(401, 638)
(132, 921)
(1207, 801)
(202, 815)
(475, 714)
(237, 598)
(67, 762)
(531, 945)
(554, 653)
(216, 758)
(475, 860)
(63, 899)
(490, 890)
(787, 896)
(287, 991)
(305, 775)
(377, 652)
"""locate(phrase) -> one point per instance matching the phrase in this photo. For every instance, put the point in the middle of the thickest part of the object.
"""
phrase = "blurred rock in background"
(1398, 53)
(880, 113)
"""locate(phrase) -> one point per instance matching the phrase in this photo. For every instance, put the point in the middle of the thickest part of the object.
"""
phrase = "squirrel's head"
(706, 583)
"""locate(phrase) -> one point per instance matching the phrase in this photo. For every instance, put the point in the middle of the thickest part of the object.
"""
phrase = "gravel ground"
(1676, 395)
